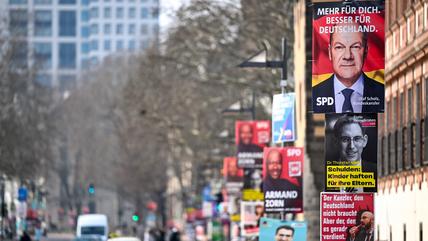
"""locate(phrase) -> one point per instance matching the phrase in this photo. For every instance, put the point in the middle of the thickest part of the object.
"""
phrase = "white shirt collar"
(358, 86)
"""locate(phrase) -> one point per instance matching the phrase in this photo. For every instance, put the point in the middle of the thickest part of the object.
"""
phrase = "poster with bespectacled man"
(351, 152)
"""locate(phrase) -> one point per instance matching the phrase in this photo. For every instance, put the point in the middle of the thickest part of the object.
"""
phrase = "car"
(92, 224)
(88, 238)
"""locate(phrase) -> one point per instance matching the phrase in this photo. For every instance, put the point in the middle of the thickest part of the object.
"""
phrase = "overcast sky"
(168, 7)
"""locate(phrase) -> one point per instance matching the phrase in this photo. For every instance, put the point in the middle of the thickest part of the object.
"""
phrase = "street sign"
(22, 194)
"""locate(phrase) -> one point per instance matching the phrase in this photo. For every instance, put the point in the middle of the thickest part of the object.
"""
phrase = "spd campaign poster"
(251, 213)
(347, 216)
(348, 49)
(232, 175)
(283, 118)
(283, 179)
(278, 230)
(351, 152)
(250, 138)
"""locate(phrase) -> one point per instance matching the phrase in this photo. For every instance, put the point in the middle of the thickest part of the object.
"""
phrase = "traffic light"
(135, 217)
(91, 189)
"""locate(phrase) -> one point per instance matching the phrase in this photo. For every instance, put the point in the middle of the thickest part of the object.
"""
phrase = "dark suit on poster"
(372, 88)
(270, 184)
(362, 235)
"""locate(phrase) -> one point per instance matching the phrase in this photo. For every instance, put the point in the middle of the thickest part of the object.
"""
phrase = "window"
(85, 48)
(417, 133)
(20, 55)
(43, 2)
(155, 29)
(144, 13)
(119, 45)
(107, 28)
(85, 2)
(94, 13)
(107, 45)
(400, 145)
(404, 233)
(131, 29)
(85, 63)
(18, 23)
(67, 55)
(43, 23)
(119, 12)
(94, 29)
(144, 29)
(67, 1)
(44, 80)
(85, 31)
(131, 45)
(67, 82)
(43, 54)
(17, 1)
(67, 23)
(155, 12)
(131, 13)
(94, 45)
(119, 29)
(84, 16)
(145, 44)
(107, 12)
(93, 61)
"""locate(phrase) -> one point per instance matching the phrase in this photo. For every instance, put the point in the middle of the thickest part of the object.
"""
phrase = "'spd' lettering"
(325, 100)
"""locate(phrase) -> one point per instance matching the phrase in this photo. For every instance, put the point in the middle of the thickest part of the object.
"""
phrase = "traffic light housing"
(91, 189)
(135, 217)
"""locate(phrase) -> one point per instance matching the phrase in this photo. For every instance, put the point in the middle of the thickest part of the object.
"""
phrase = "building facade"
(401, 213)
(65, 37)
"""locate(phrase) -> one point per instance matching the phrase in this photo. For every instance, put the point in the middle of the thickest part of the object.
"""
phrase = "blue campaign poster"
(275, 229)
(283, 118)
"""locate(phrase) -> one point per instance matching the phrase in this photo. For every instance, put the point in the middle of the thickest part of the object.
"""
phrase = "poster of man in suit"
(351, 152)
(348, 57)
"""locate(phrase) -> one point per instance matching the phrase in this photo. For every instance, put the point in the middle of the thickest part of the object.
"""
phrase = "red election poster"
(347, 216)
(283, 179)
(233, 175)
(348, 50)
(250, 138)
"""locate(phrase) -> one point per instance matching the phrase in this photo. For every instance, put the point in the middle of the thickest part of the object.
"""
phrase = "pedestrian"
(175, 235)
(38, 232)
(25, 237)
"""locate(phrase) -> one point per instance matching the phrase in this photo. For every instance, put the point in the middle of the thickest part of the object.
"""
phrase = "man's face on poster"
(245, 134)
(274, 164)
(352, 142)
(232, 169)
(347, 53)
(367, 219)
(284, 235)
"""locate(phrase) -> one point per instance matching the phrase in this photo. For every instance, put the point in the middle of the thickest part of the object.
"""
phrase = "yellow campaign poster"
(351, 152)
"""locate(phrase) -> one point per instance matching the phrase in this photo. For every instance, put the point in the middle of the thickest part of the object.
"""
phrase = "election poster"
(351, 152)
(283, 118)
(251, 212)
(252, 190)
(347, 216)
(283, 179)
(250, 138)
(278, 230)
(233, 175)
(348, 51)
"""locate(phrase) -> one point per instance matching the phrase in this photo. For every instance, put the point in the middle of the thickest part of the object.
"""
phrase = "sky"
(168, 7)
